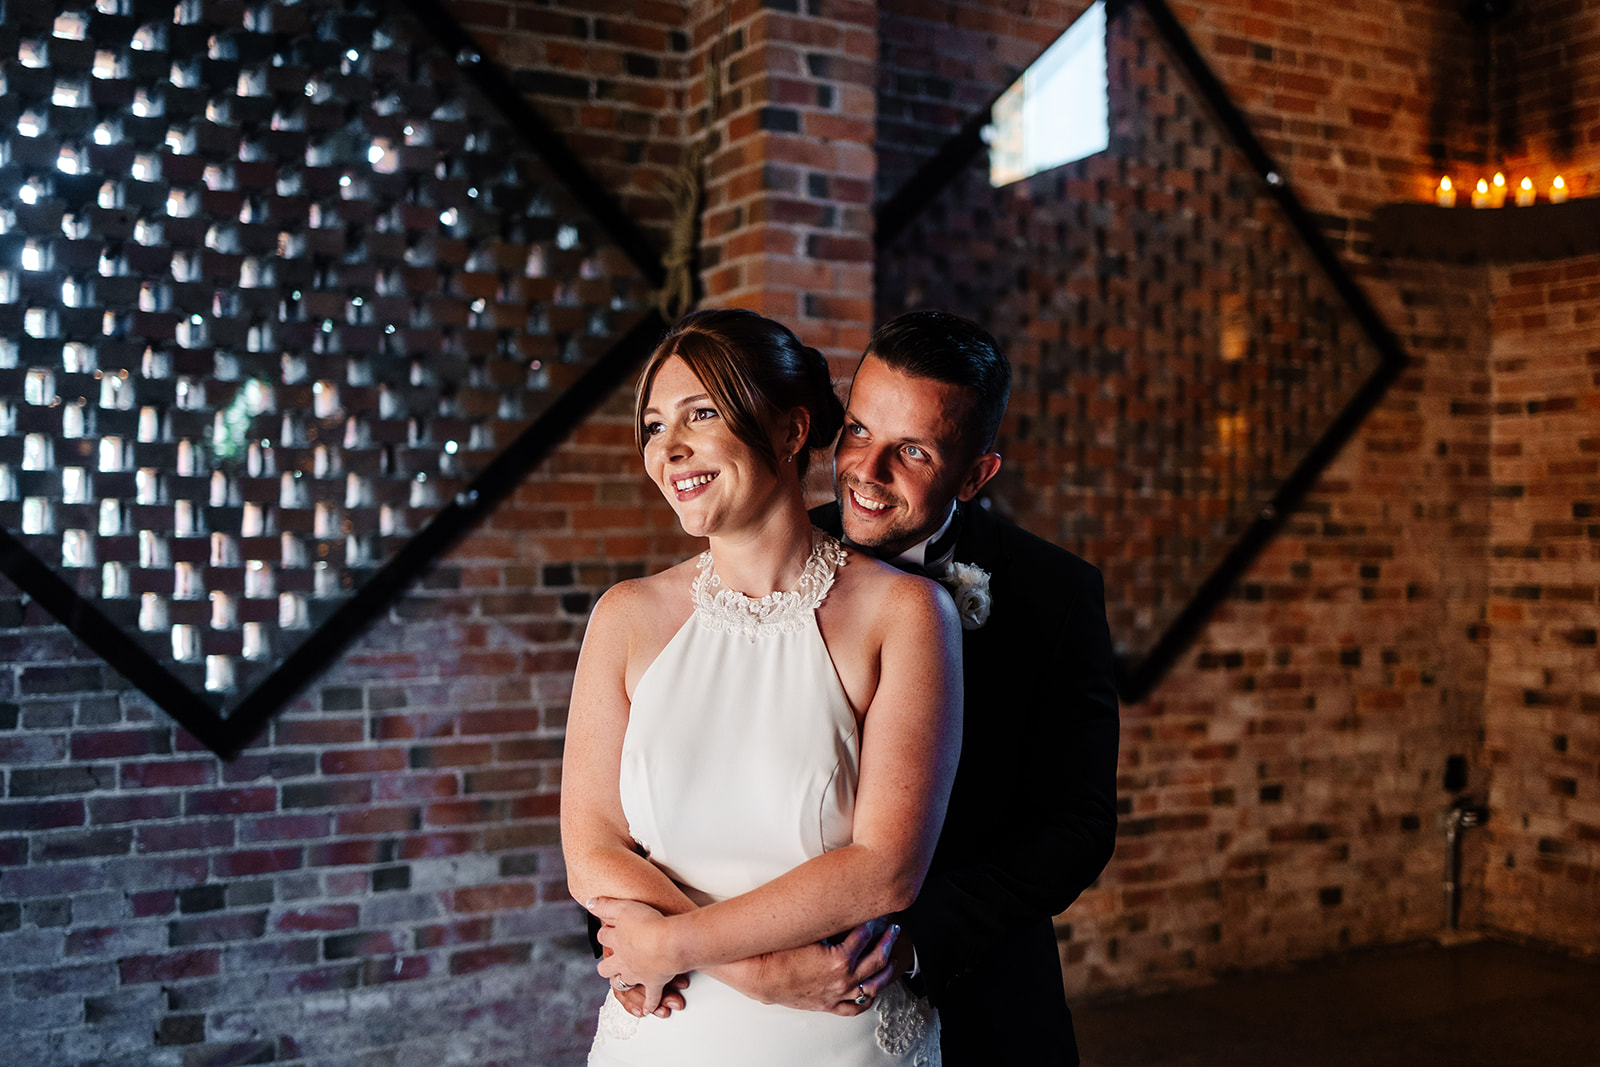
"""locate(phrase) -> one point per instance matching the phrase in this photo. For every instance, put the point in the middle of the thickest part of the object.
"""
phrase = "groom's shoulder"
(1028, 553)
(825, 517)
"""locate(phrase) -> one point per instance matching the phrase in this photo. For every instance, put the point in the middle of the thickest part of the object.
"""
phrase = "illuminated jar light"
(1558, 190)
(152, 612)
(37, 517)
(112, 454)
(224, 614)
(112, 519)
(186, 643)
(74, 485)
(292, 613)
(219, 674)
(1480, 194)
(1525, 193)
(259, 583)
(147, 486)
(255, 644)
(152, 550)
(186, 581)
(115, 581)
(74, 421)
(37, 452)
(77, 549)
(1497, 190)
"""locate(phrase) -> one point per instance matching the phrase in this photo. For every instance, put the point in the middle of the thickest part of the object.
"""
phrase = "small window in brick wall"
(1058, 111)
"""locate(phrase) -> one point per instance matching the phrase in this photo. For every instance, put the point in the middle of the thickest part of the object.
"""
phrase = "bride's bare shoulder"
(645, 601)
(874, 589)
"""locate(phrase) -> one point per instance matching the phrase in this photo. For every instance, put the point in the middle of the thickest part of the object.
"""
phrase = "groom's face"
(902, 457)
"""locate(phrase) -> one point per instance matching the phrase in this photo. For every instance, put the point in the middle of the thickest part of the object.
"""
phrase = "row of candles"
(1492, 192)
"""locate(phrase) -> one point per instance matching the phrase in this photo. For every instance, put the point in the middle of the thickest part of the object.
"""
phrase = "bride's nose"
(675, 443)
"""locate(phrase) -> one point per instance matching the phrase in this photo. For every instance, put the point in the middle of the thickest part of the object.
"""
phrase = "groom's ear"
(982, 469)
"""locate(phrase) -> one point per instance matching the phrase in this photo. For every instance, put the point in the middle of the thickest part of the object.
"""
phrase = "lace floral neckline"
(728, 610)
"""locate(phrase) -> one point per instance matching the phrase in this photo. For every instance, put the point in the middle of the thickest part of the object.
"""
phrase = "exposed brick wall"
(613, 77)
(1543, 703)
(788, 225)
(1282, 786)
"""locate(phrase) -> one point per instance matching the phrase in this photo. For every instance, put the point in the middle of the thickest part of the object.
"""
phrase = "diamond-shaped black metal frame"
(1138, 674)
(226, 725)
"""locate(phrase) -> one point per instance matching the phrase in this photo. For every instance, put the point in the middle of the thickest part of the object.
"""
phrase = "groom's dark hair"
(948, 348)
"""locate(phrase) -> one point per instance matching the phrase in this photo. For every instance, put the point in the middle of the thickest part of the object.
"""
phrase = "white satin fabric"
(739, 763)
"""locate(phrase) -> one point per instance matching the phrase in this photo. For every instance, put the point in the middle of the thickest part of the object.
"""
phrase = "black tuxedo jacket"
(1032, 815)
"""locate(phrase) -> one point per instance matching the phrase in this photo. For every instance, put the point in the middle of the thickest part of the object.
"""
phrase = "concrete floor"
(1470, 1005)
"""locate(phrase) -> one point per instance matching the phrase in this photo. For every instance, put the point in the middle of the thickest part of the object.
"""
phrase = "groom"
(1032, 814)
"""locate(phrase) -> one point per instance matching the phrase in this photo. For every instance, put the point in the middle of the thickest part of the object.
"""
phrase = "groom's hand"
(824, 977)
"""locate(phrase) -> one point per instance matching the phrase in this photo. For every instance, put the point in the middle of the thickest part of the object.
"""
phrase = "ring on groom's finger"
(865, 996)
(622, 987)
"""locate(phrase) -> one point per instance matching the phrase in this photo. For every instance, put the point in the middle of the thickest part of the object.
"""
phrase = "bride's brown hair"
(756, 371)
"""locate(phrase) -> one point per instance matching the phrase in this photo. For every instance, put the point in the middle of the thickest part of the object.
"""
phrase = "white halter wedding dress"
(740, 763)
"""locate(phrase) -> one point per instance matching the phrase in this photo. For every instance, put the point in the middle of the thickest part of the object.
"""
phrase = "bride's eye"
(701, 414)
(653, 429)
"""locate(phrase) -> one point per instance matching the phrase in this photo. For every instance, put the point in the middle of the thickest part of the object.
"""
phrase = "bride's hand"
(641, 952)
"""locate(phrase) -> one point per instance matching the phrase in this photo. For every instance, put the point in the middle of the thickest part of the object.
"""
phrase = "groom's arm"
(1060, 825)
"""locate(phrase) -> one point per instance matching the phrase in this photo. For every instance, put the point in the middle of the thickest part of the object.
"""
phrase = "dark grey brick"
(54, 781)
(202, 898)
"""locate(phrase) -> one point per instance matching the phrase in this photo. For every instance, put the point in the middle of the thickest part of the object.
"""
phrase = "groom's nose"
(873, 465)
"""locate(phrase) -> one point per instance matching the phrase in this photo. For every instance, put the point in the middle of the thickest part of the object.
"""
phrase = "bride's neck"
(767, 558)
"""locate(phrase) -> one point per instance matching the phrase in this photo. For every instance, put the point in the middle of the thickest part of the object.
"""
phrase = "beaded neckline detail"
(730, 611)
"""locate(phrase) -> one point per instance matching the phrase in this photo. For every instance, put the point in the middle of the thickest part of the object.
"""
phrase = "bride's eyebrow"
(685, 402)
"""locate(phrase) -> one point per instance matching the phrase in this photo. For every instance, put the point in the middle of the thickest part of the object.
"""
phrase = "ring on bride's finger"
(622, 987)
(865, 996)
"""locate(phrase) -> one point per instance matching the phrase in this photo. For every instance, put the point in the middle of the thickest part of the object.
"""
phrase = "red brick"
(506, 896)
(167, 774)
(197, 963)
(324, 917)
(363, 761)
(472, 961)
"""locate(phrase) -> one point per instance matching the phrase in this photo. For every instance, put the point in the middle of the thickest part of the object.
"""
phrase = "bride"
(762, 739)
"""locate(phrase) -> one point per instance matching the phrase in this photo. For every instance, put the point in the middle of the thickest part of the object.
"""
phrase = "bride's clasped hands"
(641, 952)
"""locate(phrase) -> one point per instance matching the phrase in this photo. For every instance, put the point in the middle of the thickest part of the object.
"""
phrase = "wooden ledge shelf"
(1488, 235)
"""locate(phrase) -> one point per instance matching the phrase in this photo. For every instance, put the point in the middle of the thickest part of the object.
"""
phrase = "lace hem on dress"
(908, 1026)
(728, 610)
(615, 1020)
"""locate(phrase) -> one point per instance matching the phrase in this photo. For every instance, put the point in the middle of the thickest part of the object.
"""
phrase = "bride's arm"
(910, 745)
(600, 854)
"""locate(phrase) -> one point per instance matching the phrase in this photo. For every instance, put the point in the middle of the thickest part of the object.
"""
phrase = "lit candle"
(1525, 193)
(1480, 194)
(1446, 193)
(1558, 190)
(1497, 190)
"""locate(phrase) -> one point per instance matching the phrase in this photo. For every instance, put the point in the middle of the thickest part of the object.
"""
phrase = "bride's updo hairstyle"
(756, 371)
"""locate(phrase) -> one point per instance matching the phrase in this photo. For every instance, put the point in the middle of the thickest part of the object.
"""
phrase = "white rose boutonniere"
(970, 587)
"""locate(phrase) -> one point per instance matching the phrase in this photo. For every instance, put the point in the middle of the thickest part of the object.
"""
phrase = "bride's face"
(713, 480)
